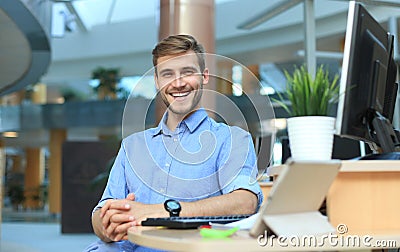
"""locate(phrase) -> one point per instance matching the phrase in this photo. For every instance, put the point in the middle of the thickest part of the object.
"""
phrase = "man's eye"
(166, 75)
(187, 72)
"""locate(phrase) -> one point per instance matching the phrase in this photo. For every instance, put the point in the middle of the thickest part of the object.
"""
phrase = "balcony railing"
(25, 43)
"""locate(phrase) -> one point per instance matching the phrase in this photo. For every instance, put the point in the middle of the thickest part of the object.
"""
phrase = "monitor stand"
(385, 134)
(387, 138)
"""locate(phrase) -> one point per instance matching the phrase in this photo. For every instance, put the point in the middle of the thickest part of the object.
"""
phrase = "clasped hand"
(118, 215)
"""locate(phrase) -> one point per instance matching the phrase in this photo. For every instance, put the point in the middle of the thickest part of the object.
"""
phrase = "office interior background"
(51, 51)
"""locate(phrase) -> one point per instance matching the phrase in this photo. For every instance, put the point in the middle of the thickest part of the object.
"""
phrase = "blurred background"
(68, 67)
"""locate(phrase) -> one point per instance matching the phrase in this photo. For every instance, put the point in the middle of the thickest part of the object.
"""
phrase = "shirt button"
(166, 165)
(175, 139)
(162, 190)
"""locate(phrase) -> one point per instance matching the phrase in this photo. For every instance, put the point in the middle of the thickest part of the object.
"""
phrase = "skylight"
(100, 12)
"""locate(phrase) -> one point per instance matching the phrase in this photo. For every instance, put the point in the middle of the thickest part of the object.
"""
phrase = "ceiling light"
(10, 134)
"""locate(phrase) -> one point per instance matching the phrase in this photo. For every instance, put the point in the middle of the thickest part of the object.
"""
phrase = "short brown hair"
(178, 44)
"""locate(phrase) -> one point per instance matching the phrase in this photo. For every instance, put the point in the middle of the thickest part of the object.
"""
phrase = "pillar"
(2, 171)
(39, 94)
(310, 37)
(194, 17)
(224, 80)
(34, 176)
(250, 80)
(57, 138)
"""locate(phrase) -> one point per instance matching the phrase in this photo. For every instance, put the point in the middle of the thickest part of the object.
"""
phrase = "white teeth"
(180, 94)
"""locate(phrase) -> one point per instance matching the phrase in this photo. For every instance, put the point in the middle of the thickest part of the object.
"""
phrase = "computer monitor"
(367, 87)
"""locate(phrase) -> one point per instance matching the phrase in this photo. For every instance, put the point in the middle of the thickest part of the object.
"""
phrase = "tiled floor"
(38, 232)
(40, 237)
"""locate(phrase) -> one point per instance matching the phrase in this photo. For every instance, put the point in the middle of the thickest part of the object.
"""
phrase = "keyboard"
(192, 222)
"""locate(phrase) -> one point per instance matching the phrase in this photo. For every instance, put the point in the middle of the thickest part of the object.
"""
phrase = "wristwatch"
(173, 207)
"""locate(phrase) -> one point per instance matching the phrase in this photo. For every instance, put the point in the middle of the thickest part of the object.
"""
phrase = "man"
(207, 168)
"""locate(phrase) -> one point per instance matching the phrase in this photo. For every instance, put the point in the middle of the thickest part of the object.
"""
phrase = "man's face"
(180, 82)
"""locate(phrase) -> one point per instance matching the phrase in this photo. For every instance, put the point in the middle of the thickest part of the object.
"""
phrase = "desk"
(364, 196)
(191, 241)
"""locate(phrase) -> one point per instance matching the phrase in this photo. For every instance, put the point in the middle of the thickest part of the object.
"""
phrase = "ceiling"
(121, 33)
(100, 12)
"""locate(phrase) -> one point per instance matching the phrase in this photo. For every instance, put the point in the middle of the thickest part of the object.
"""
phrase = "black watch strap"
(173, 207)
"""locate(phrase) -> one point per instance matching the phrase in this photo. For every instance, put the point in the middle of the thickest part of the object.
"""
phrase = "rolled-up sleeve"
(116, 187)
(239, 167)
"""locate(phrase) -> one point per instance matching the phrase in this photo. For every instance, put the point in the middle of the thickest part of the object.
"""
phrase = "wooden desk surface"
(354, 166)
(370, 166)
(190, 240)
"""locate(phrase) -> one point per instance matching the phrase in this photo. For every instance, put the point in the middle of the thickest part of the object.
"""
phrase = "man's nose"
(178, 81)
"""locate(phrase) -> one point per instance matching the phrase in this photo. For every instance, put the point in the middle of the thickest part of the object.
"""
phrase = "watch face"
(173, 205)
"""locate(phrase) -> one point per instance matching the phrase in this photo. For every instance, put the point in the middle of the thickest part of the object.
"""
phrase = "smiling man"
(180, 78)
(190, 162)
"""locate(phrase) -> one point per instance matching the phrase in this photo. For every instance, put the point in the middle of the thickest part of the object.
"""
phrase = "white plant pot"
(311, 137)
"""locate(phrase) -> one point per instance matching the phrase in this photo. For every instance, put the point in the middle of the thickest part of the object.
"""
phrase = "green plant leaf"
(309, 96)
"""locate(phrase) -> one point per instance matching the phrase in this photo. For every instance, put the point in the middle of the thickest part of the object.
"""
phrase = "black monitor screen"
(368, 78)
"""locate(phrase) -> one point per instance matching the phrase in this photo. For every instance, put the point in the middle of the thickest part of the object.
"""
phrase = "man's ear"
(206, 76)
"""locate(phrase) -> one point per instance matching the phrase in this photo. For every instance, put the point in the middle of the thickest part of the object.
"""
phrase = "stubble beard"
(184, 111)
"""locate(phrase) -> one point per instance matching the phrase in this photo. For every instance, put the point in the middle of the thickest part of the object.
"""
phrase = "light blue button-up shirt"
(199, 159)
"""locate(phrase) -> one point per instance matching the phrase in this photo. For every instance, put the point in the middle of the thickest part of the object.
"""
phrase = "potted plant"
(310, 128)
(16, 194)
(71, 94)
(108, 80)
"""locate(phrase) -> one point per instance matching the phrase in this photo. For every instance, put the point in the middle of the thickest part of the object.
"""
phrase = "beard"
(184, 110)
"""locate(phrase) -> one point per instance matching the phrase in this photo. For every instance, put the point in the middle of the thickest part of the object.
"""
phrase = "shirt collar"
(195, 119)
(191, 122)
(162, 125)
